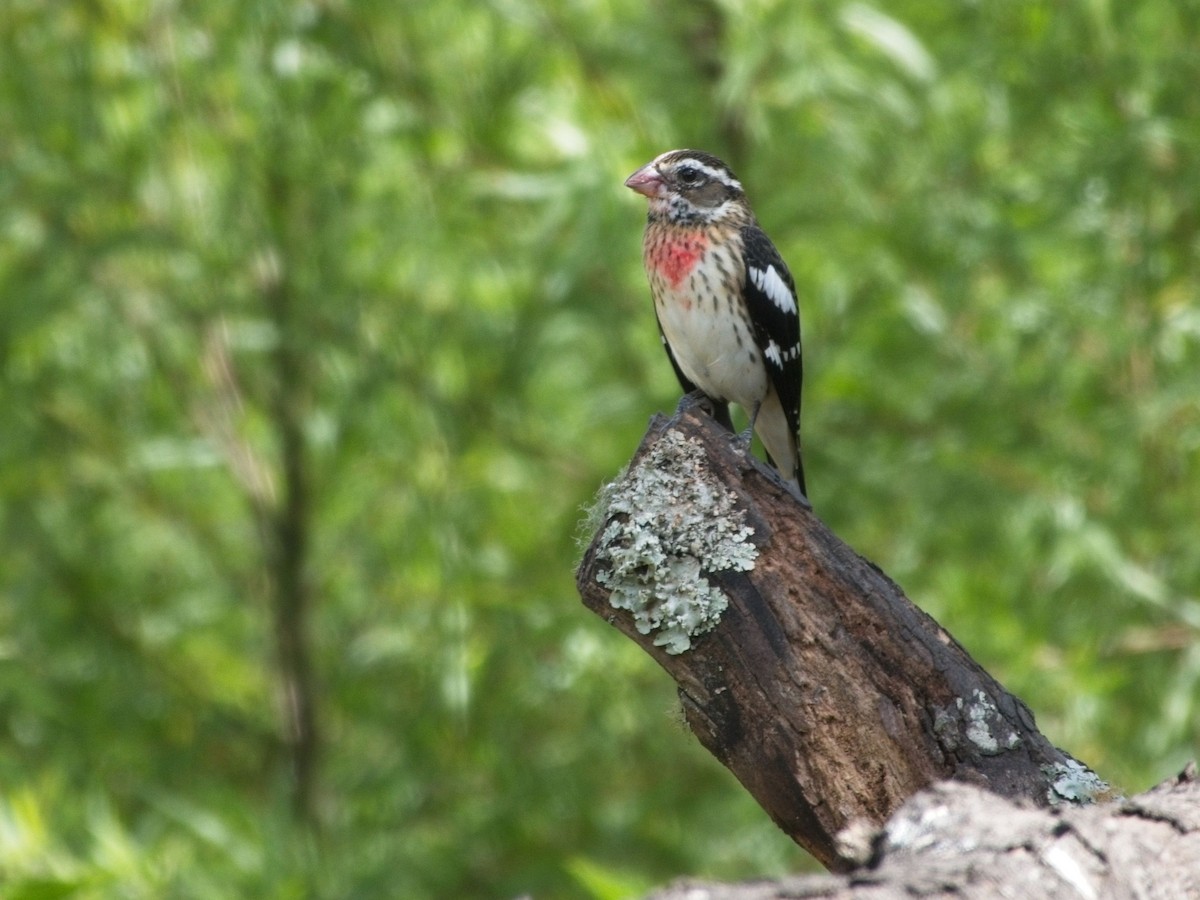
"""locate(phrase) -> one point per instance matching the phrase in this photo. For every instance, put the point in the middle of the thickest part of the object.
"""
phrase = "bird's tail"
(780, 442)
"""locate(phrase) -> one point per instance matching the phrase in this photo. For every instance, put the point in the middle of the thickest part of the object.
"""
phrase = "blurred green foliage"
(991, 213)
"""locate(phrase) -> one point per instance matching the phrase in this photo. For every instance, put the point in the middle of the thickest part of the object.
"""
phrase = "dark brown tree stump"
(800, 665)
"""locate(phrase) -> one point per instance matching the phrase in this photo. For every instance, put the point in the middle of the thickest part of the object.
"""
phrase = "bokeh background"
(321, 322)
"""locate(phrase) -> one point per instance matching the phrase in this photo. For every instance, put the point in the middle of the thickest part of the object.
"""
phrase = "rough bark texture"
(800, 666)
(959, 841)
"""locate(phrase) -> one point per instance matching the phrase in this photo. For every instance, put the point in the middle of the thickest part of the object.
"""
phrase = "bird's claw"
(695, 400)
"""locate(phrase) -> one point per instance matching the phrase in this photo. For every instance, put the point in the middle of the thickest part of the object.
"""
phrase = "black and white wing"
(771, 302)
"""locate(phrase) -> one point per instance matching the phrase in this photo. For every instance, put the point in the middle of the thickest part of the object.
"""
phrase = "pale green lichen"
(981, 718)
(669, 525)
(1073, 782)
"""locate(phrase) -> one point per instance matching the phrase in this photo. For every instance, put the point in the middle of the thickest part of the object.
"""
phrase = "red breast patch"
(675, 258)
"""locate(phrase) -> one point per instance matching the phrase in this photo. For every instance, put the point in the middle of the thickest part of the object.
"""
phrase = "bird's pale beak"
(645, 181)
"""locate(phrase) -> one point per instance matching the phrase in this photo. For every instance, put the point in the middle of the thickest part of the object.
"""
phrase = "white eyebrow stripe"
(774, 287)
(721, 176)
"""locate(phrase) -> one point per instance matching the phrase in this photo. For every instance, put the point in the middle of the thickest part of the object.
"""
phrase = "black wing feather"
(774, 323)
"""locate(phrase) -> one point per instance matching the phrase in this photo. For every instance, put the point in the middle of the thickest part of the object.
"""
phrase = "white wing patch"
(779, 356)
(774, 287)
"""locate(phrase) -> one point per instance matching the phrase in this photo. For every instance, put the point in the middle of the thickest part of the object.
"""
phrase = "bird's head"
(688, 187)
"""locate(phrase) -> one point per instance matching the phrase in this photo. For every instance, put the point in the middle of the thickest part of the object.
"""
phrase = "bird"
(724, 299)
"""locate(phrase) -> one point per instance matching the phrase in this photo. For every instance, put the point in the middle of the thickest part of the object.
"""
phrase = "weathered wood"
(958, 841)
(830, 696)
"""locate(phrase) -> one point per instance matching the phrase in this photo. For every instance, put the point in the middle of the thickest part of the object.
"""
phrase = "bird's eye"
(689, 176)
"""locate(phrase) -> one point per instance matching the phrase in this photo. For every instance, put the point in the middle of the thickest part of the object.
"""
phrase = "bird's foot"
(695, 400)
(717, 410)
(746, 437)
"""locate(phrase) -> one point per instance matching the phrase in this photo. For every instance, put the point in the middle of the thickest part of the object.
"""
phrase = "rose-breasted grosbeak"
(725, 300)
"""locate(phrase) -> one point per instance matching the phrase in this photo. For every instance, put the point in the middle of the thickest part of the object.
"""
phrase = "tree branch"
(958, 841)
(800, 665)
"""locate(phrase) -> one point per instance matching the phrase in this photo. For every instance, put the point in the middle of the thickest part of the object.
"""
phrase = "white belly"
(712, 344)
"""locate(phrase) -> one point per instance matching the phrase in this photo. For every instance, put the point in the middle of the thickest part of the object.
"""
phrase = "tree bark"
(799, 664)
(958, 841)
